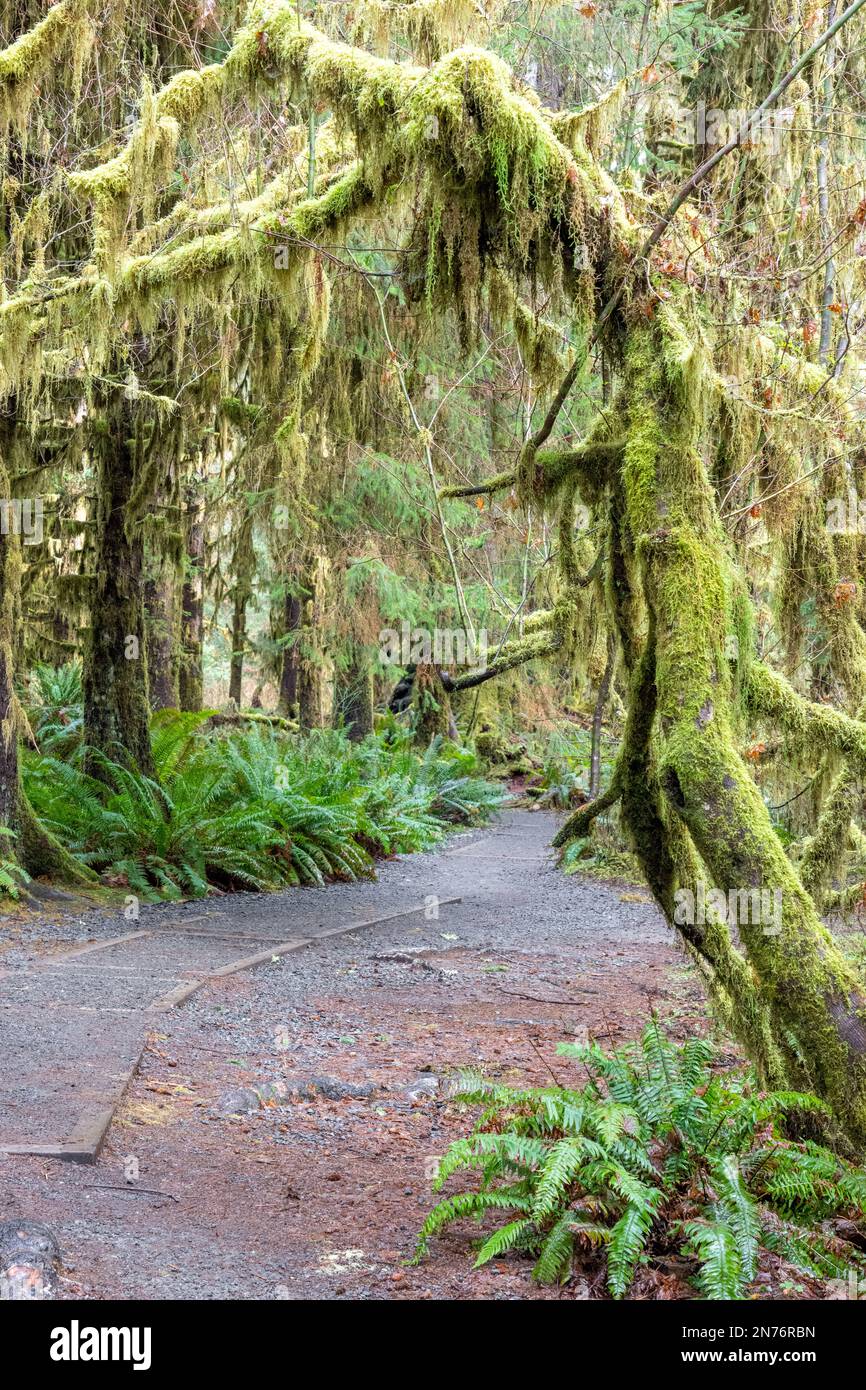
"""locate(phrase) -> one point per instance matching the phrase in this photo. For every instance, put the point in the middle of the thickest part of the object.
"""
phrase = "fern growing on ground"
(54, 707)
(167, 839)
(12, 876)
(653, 1156)
(253, 809)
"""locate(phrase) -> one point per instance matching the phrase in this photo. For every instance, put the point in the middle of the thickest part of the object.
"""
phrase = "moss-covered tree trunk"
(288, 624)
(10, 581)
(161, 618)
(116, 708)
(355, 697)
(431, 706)
(312, 662)
(191, 676)
(28, 842)
(243, 563)
(815, 1003)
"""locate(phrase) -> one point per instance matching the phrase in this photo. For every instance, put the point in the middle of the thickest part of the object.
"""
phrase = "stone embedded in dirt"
(243, 1100)
(422, 1088)
(272, 1092)
(29, 1257)
(330, 1087)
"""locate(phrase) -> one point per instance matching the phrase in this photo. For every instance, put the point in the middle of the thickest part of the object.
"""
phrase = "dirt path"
(283, 1123)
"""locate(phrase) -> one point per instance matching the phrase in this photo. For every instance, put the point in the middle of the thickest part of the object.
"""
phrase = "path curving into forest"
(272, 1066)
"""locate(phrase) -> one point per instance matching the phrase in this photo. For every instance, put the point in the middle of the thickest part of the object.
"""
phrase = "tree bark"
(160, 602)
(289, 622)
(116, 711)
(191, 679)
(33, 847)
(431, 706)
(242, 565)
(311, 657)
(597, 718)
(815, 1002)
(355, 700)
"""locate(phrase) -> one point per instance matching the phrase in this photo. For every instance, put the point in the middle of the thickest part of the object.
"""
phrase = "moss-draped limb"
(580, 821)
(824, 851)
(541, 619)
(567, 553)
(768, 695)
(484, 153)
(541, 473)
(514, 654)
(498, 483)
(551, 469)
(25, 61)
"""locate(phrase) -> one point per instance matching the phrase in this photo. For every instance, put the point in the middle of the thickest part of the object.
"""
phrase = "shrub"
(653, 1155)
(54, 707)
(254, 809)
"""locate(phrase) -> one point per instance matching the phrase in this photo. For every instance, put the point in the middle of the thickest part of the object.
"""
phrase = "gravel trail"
(279, 1133)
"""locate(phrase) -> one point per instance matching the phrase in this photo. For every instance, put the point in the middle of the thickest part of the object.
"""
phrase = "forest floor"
(283, 1122)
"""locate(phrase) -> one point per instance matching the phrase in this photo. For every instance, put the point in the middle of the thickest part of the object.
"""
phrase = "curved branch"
(498, 483)
(513, 654)
(579, 821)
(769, 695)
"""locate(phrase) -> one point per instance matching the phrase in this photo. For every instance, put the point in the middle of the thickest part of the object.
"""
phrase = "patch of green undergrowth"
(12, 876)
(254, 809)
(652, 1156)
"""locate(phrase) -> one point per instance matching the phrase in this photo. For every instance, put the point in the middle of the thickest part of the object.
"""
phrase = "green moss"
(66, 27)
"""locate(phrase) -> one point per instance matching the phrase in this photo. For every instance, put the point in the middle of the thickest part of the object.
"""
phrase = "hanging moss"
(65, 30)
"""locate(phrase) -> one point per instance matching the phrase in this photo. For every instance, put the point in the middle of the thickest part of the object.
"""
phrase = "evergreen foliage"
(257, 809)
(656, 1155)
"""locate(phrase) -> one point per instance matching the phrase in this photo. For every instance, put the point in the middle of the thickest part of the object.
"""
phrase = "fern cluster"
(54, 707)
(12, 876)
(254, 809)
(654, 1156)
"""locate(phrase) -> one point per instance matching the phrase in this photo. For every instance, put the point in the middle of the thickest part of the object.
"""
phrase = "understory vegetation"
(255, 808)
(655, 1159)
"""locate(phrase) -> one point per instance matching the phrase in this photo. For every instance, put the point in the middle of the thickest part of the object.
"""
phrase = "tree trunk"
(10, 586)
(242, 565)
(160, 603)
(597, 719)
(312, 684)
(192, 610)
(355, 702)
(116, 711)
(815, 1002)
(431, 705)
(289, 656)
(31, 845)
